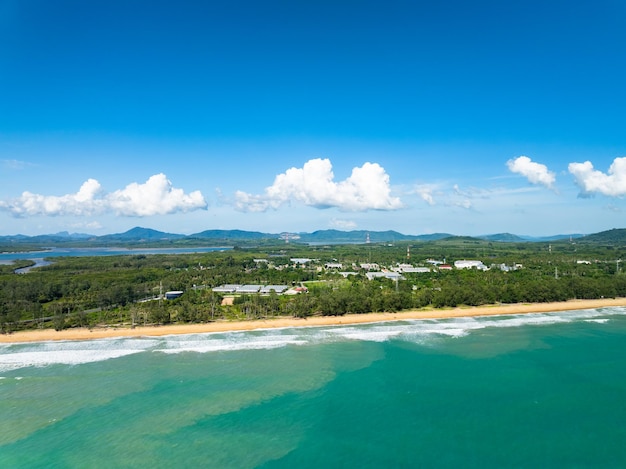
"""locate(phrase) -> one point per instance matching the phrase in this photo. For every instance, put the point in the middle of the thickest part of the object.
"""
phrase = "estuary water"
(8, 257)
(39, 256)
(535, 390)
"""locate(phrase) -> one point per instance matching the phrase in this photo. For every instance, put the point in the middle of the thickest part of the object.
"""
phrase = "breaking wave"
(16, 356)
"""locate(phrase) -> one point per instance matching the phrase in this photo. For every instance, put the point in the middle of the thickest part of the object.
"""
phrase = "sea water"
(537, 390)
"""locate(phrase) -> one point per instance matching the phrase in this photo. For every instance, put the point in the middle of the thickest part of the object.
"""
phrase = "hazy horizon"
(301, 232)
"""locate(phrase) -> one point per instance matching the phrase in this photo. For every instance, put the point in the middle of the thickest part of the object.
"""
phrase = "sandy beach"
(224, 326)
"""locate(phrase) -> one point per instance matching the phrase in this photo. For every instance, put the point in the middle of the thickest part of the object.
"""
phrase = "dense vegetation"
(125, 290)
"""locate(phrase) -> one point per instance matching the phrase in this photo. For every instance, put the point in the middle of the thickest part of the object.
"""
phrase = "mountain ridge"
(147, 235)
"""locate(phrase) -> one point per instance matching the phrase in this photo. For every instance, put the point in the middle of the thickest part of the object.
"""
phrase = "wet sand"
(224, 326)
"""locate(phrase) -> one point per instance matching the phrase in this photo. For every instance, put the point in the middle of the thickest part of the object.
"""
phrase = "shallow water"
(538, 390)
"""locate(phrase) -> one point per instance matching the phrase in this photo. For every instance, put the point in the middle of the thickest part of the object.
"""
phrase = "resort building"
(248, 289)
(466, 264)
(389, 275)
(229, 288)
(172, 295)
(274, 288)
(300, 260)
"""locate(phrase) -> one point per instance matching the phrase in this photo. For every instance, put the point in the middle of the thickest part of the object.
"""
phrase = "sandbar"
(42, 335)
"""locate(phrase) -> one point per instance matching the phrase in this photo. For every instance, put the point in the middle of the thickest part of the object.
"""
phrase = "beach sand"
(227, 326)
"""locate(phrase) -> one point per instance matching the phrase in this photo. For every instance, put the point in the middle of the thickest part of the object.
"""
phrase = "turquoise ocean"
(536, 391)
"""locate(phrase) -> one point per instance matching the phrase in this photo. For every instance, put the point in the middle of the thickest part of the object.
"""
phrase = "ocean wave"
(40, 354)
(17, 360)
(16, 356)
(204, 343)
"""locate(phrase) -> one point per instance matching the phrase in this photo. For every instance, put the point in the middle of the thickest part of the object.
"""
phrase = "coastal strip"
(42, 335)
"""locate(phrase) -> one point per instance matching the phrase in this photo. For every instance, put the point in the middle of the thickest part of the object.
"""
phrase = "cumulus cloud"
(367, 188)
(536, 173)
(590, 181)
(156, 196)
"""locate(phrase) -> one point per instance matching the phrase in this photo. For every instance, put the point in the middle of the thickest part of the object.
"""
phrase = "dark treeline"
(90, 291)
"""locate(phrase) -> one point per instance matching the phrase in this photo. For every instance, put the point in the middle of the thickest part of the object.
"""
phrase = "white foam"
(598, 321)
(19, 360)
(40, 354)
(372, 334)
(16, 356)
(236, 341)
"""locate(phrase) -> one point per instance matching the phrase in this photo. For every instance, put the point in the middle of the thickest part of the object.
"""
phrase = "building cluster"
(260, 289)
(372, 271)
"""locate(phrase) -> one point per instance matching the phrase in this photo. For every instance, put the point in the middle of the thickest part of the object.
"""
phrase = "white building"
(389, 275)
(468, 264)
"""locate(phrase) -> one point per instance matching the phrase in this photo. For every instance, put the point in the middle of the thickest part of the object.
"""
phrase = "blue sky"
(461, 117)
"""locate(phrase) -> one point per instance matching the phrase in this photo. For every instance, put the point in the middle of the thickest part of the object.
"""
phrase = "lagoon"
(9, 257)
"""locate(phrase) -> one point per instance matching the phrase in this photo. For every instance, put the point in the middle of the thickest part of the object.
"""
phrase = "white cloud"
(342, 224)
(16, 164)
(367, 188)
(245, 202)
(536, 173)
(84, 202)
(465, 203)
(425, 191)
(590, 180)
(155, 197)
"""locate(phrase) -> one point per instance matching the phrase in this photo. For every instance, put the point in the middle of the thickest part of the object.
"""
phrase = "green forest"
(128, 290)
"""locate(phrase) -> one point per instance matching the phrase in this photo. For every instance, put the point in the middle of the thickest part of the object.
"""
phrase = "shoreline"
(43, 335)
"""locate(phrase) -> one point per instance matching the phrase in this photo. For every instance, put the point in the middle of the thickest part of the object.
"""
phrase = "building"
(300, 260)
(467, 264)
(274, 288)
(229, 288)
(172, 295)
(390, 275)
(248, 289)
(415, 270)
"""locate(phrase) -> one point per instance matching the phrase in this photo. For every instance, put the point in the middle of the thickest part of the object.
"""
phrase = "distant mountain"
(503, 237)
(555, 237)
(614, 236)
(65, 234)
(355, 236)
(453, 238)
(361, 236)
(511, 238)
(141, 234)
(60, 237)
(433, 236)
(147, 235)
